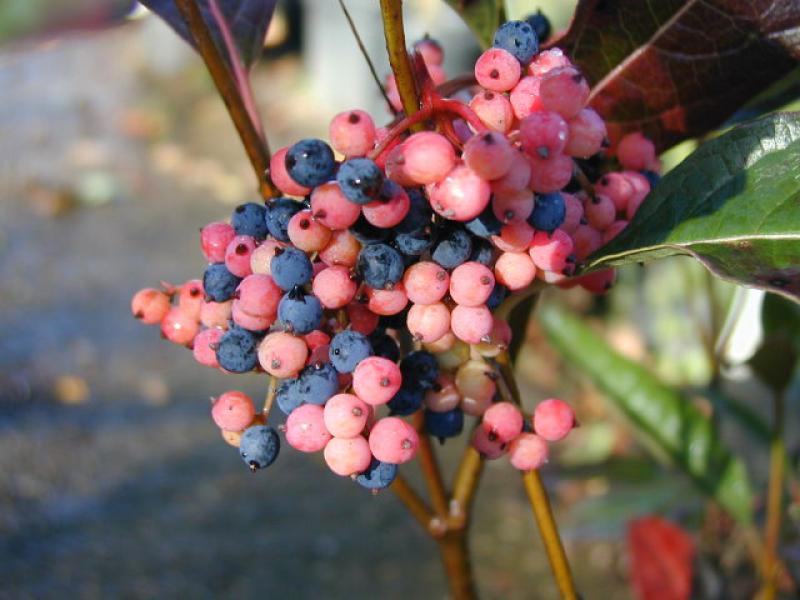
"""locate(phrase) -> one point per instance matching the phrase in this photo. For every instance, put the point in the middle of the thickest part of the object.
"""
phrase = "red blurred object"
(661, 559)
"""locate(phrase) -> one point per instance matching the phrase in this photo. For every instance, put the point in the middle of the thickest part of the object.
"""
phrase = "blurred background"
(114, 482)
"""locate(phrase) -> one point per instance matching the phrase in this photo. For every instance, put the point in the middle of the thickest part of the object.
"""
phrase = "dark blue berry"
(236, 351)
(317, 383)
(366, 233)
(279, 212)
(310, 162)
(499, 293)
(406, 401)
(548, 213)
(395, 321)
(360, 180)
(453, 248)
(219, 284)
(290, 267)
(384, 345)
(444, 424)
(418, 216)
(259, 447)
(378, 476)
(652, 178)
(299, 311)
(482, 252)
(250, 219)
(287, 396)
(420, 369)
(348, 348)
(413, 244)
(380, 265)
(518, 38)
(485, 225)
(540, 24)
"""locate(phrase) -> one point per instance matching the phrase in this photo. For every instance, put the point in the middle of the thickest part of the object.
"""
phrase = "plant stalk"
(256, 148)
(772, 528)
(457, 565)
(395, 36)
(430, 469)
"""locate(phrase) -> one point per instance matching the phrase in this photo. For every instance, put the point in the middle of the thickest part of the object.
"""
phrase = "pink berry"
(334, 287)
(497, 70)
(280, 176)
(617, 187)
(489, 448)
(258, 295)
(308, 234)
(547, 60)
(237, 255)
(428, 322)
(393, 93)
(347, 456)
(179, 327)
(316, 338)
(551, 174)
(598, 282)
(635, 152)
(305, 429)
(564, 90)
(553, 419)
(386, 213)
(352, 133)
(216, 314)
(319, 356)
(282, 354)
(574, 213)
(494, 110)
(586, 240)
(471, 324)
(471, 284)
(587, 132)
(431, 51)
(600, 212)
(426, 282)
(528, 452)
(427, 157)
(525, 97)
(214, 239)
(515, 236)
(150, 305)
(342, 250)
(516, 180)
(395, 166)
(444, 396)
(393, 440)
(632, 207)
(261, 258)
(233, 411)
(376, 380)
(190, 298)
(362, 319)
(543, 134)
(613, 230)
(251, 322)
(500, 338)
(476, 386)
(204, 348)
(550, 252)
(345, 415)
(503, 421)
(641, 186)
(331, 208)
(513, 207)
(515, 270)
(387, 302)
(460, 196)
(489, 155)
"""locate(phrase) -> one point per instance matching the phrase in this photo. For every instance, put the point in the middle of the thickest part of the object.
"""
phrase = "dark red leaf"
(677, 69)
(661, 556)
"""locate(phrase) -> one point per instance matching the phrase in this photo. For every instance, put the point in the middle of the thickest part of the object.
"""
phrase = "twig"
(430, 469)
(549, 532)
(393, 32)
(465, 484)
(256, 148)
(272, 389)
(364, 53)
(417, 507)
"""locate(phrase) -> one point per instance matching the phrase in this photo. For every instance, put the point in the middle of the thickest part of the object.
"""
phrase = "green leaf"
(666, 422)
(775, 360)
(481, 16)
(734, 204)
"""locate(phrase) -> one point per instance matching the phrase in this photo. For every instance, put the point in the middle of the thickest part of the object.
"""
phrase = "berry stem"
(395, 36)
(430, 469)
(462, 110)
(398, 129)
(465, 485)
(416, 506)
(255, 146)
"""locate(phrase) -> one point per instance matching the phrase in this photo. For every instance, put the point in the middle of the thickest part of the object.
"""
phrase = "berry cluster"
(377, 286)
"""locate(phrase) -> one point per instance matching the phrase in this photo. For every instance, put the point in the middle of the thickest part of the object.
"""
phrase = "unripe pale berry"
(460, 196)
(476, 386)
(553, 419)
(471, 284)
(179, 327)
(233, 411)
(388, 212)
(190, 298)
(494, 110)
(635, 152)
(282, 354)
(617, 187)
(261, 258)
(250, 322)
(214, 239)
(565, 91)
(587, 131)
(573, 214)
(547, 60)
(348, 456)
(503, 421)
(471, 324)
(444, 396)
(586, 239)
(497, 70)
(515, 236)
(525, 97)
(306, 233)
(334, 287)
(428, 322)
(426, 282)
(305, 428)
(237, 255)
(150, 305)
(550, 251)
(599, 211)
(204, 347)
(515, 270)
(376, 380)
(342, 250)
(489, 448)
(427, 157)
(551, 174)
(489, 155)
(345, 415)
(280, 176)
(528, 452)
(331, 208)
(543, 134)
(352, 133)
(516, 206)
(216, 314)
(387, 302)
(393, 440)
(258, 295)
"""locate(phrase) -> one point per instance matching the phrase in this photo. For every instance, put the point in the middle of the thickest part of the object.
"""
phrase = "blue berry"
(485, 225)
(444, 424)
(318, 383)
(378, 476)
(453, 248)
(420, 369)
(259, 447)
(236, 350)
(384, 345)
(366, 233)
(380, 265)
(360, 180)
(310, 162)
(499, 293)
(396, 321)
(413, 244)
(287, 395)
(250, 219)
(540, 24)
(652, 178)
(482, 252)
(290, 267)
(518, 38)
(279, 212)
(219, 284)
(299, 311)
(419, 214)
(406, 401)
(548, 213)
(348, 348)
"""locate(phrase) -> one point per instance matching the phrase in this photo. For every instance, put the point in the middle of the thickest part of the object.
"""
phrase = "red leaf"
(676, 69)
(661, 559)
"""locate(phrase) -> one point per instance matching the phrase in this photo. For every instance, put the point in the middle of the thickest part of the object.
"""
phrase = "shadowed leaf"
(676, 69)
(734, 204)
(481, 16)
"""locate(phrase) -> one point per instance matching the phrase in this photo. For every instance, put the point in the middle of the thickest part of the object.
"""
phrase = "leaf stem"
(255, 147)
(395, 36)
(772, 528)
